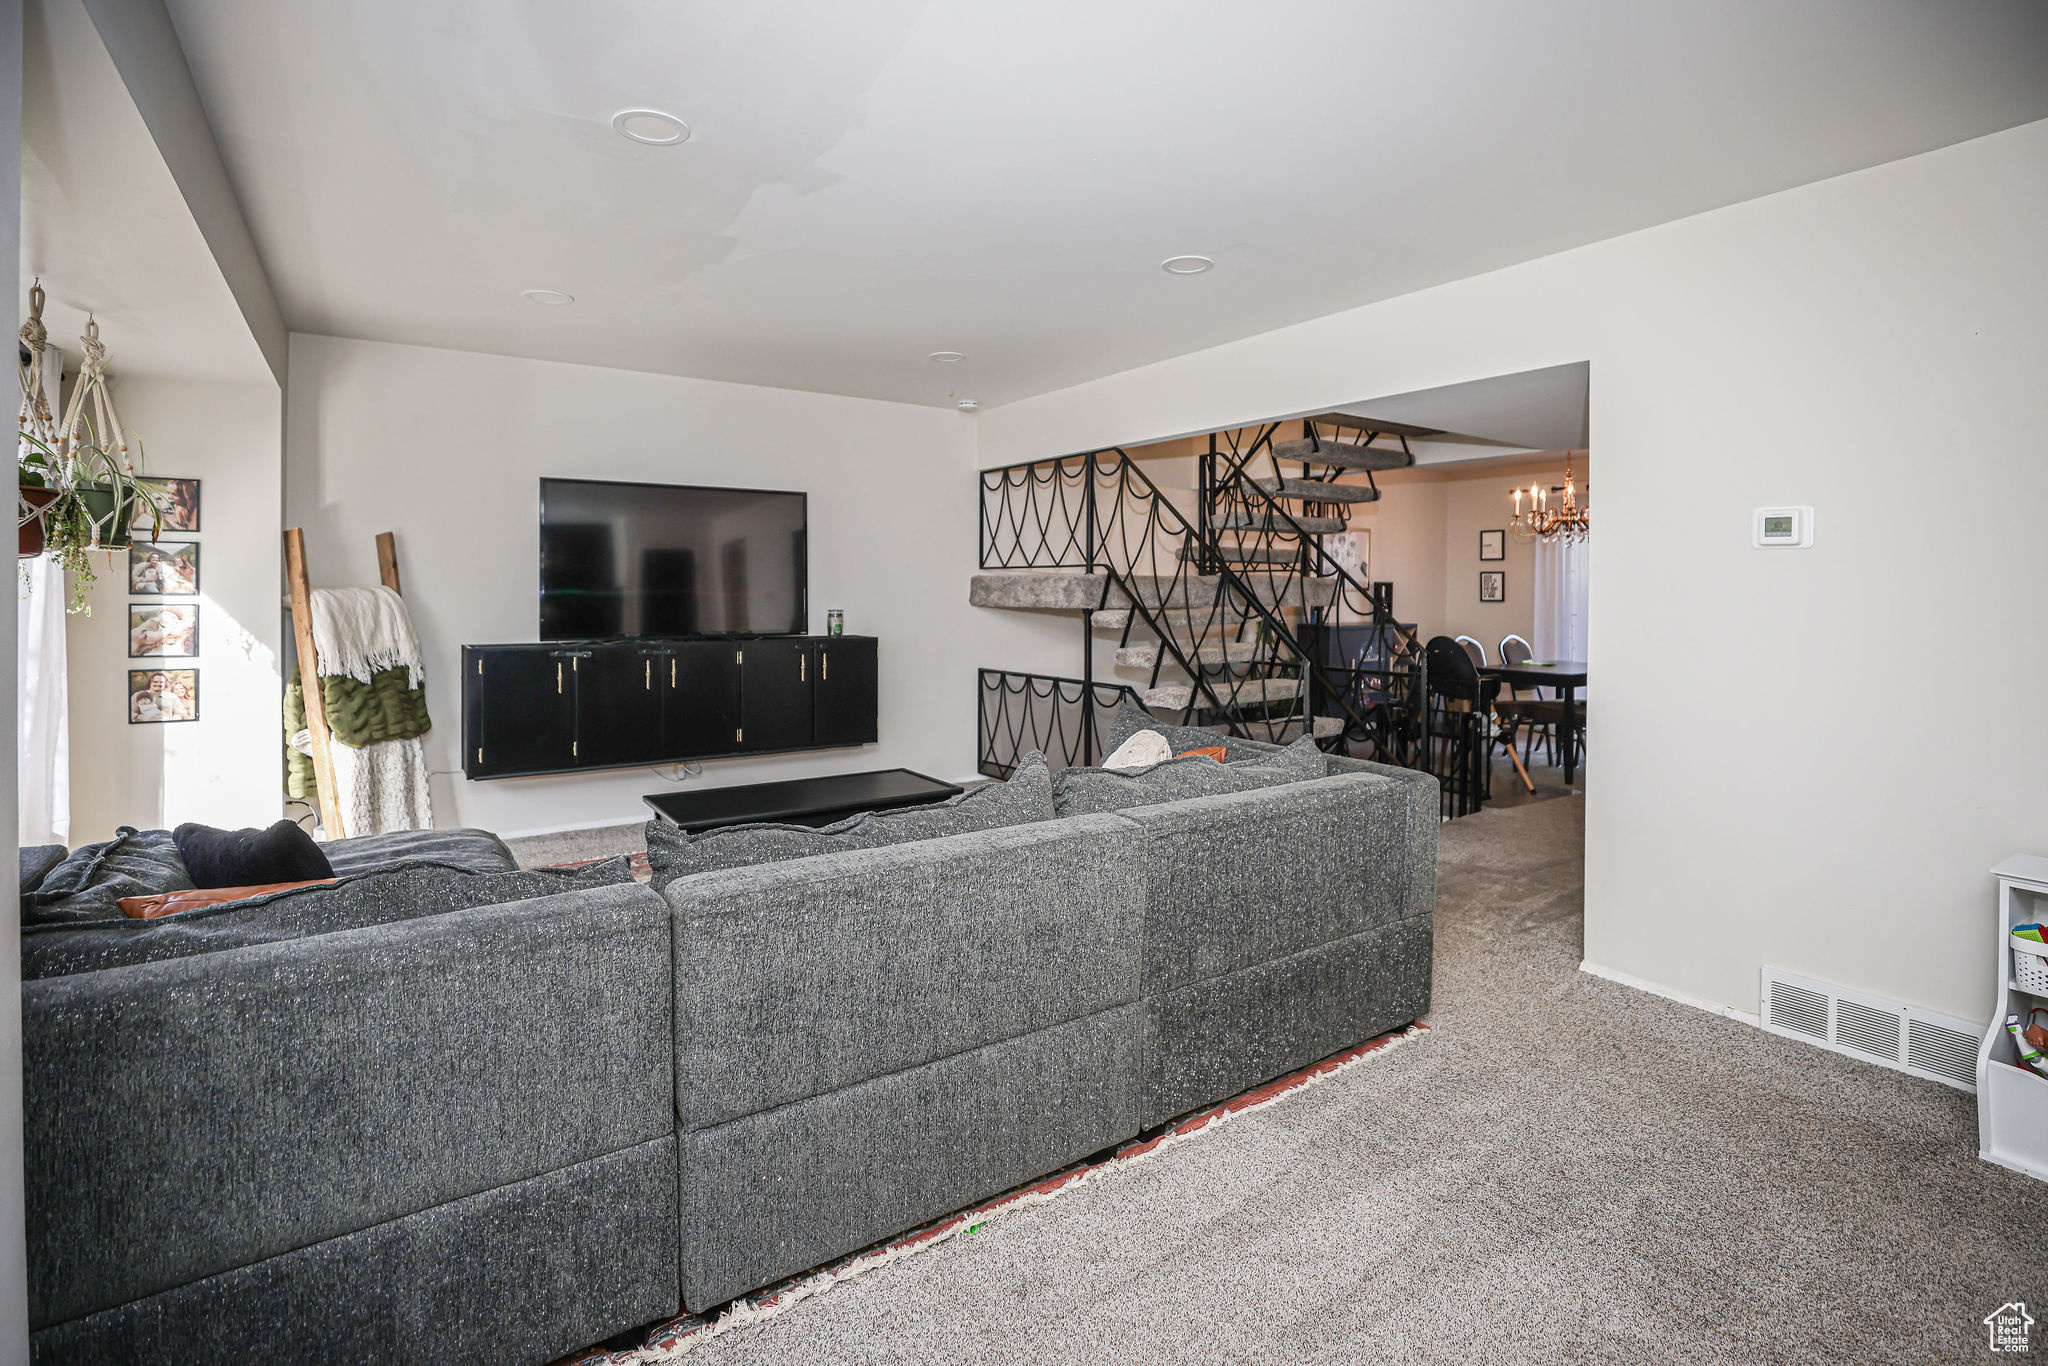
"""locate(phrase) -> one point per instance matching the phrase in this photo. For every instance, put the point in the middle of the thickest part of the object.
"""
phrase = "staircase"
(1225, 614)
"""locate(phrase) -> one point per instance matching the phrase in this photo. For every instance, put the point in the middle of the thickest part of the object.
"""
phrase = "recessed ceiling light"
(1185, 265)
(968, 405)
(548, 296)
(948, 357)
(650, 126)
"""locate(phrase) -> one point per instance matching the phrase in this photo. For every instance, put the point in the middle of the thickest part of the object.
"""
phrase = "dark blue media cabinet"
(567, 706)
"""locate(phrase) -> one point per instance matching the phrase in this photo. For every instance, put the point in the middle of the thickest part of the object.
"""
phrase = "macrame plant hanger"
(90, 399)
(36, 419)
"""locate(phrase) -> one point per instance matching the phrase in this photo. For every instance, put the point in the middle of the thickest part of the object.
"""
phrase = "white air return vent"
(1795, 1010)
(1908, 1038)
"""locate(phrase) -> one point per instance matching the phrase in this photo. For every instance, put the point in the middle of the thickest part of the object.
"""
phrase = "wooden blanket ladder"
(309, 665)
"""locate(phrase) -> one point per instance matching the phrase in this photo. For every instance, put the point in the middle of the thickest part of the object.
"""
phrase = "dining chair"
(1538, 714)
(1474, 651)
(1463, 726)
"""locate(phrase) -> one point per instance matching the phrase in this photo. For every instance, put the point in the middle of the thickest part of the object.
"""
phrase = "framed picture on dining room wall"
(1493, 545)
(1493, 586)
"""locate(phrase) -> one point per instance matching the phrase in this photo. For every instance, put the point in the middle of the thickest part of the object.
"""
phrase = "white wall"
(1478, 500)
(447, 449)
(1805, 758)
(225, 768)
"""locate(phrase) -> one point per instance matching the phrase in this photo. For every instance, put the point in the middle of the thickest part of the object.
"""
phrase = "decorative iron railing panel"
(1064, 719)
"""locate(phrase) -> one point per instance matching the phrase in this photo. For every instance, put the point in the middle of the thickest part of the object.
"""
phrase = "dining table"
(1567, 676)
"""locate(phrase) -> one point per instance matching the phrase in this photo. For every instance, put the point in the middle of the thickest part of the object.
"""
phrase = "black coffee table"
(800, 801)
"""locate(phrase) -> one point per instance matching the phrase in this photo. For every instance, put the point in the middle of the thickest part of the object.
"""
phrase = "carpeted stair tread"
(1073, 590)
(1348, 455)
(1217, 653)
(1237, 552)
(1253, 692)
(1242, 518)
(1315, 491)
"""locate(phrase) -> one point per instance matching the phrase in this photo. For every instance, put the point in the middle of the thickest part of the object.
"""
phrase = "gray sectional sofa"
(505, 1132)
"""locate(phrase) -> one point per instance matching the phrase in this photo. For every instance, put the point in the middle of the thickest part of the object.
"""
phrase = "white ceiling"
(103, 222)
(871, 182)
(1535, 410)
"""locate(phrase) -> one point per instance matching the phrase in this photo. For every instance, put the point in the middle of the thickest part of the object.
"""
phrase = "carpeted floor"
(1562, 1170)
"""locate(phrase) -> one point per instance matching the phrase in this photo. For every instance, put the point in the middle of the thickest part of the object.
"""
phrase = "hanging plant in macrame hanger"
(78, 490)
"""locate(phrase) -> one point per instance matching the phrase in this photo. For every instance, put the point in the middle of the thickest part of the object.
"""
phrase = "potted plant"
(75, 495)
(80, 498)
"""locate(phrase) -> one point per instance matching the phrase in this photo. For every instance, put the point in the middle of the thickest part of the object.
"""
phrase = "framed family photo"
(166, 631)
(163, 567)
(1493, 586)
(1493, 545)
(158, 696)
(179, 499)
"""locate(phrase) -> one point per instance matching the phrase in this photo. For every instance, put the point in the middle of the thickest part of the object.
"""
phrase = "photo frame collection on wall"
(162, 570)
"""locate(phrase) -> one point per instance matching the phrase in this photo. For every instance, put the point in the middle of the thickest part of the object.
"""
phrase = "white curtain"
(43, 758)
(1561, 601)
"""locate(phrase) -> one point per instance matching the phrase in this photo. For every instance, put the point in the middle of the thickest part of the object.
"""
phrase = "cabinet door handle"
(824, 664)
(650, 675)
(801, 664)
(558, 676)
(671, 671)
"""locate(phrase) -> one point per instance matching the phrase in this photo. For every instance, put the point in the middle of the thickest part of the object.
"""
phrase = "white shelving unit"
(2012, 1102)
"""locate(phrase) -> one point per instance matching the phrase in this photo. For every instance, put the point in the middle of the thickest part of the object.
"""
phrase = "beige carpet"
(1563, 1170)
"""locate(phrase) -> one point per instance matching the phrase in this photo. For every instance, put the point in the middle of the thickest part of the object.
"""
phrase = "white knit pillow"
(1146, 748)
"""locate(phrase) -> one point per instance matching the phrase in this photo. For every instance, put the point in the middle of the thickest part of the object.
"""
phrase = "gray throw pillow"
(405, 892)
(1026, 797)
(88, 883)
(1129, 719)
(1086, 791)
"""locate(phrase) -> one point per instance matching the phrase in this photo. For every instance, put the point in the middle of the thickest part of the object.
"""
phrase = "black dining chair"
(1534, 715)
(1460, 716)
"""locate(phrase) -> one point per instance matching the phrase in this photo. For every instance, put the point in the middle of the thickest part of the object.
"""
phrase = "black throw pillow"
(249, 858)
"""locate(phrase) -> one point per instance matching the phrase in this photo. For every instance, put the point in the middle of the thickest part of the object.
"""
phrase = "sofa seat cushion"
(478, 851)
(1026, 797)
(405, 892)
(247, 858)
(89, 884)
(1085, 791)
(1129, 719)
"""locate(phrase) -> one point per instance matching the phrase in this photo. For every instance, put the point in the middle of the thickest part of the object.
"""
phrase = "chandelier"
(1564, 520)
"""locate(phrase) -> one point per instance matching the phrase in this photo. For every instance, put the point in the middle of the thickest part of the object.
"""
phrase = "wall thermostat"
(1783, 526)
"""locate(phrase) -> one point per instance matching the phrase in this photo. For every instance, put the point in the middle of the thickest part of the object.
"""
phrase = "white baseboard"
(1711, 1007)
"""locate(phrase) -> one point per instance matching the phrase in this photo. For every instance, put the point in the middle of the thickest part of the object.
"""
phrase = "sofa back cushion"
(806, 976)
(1026, 797)
(1083, 791)
(191, 1117)
(405, 892)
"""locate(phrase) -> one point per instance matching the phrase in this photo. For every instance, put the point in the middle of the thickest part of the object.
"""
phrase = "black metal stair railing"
(1386, 679)
(1062, 718)
(1247, 670)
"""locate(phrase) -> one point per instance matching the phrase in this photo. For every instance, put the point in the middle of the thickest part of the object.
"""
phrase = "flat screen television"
(621, 559)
